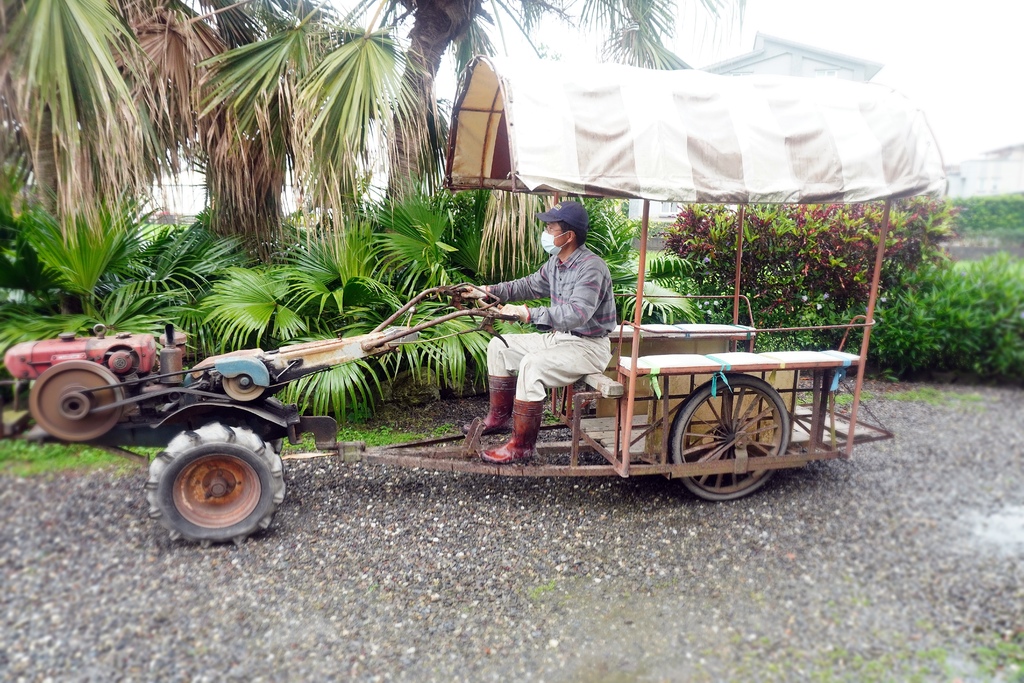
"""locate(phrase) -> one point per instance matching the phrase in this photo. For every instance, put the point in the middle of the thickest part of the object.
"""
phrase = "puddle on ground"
(1003, 529)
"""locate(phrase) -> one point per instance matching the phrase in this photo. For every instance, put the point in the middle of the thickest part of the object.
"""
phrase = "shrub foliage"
(999, 215)
(966, 317)
(806, 265)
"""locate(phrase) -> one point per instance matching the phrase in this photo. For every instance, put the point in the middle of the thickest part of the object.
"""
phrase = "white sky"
(961, 62)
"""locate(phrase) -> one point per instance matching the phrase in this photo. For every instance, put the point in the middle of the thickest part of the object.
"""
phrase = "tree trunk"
(437, 23)
(44, 163)
(250, 210)
(245, 179)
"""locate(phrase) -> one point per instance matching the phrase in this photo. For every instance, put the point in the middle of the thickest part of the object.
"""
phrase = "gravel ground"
(902, 563)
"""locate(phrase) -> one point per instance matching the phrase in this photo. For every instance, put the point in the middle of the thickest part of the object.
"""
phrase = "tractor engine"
(81, 382)
(123, 354)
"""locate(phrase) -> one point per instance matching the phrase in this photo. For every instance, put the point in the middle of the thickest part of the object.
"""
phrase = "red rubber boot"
(503, 393)
(526, 417)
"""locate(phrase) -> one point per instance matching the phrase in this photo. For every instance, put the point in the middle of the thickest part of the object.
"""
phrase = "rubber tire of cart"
(258, 457)
(755, 478)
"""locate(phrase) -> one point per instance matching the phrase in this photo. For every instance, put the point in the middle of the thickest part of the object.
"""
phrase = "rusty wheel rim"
(65, 398)
(744, 424)
(217, 491)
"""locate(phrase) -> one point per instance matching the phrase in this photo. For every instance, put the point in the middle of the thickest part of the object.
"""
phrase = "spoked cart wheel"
(215, 484)
(747, 419)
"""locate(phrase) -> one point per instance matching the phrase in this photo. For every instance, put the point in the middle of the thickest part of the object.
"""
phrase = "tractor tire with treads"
(215, 484)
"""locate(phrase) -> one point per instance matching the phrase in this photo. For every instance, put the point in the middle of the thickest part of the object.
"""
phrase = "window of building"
(827, 73)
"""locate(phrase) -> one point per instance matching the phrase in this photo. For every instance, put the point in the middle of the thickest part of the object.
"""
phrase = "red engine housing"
(123, 354)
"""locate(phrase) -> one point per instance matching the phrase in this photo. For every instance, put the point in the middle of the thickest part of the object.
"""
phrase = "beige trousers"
(545, 360)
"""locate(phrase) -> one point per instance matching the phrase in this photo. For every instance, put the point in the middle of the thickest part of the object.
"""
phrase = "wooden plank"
(607, 424)
(608, 387)
(602, 430)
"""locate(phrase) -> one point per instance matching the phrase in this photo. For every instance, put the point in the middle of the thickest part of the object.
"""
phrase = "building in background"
(780, 57)
(1000, 171)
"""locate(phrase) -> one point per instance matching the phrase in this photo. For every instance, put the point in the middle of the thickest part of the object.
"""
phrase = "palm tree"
(104, 98)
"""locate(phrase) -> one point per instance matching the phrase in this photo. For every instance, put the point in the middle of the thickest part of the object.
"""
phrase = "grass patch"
(1003, 658)
(846, 400)
(933, 396)
(29, 458)
(381, 436)
(378, 436)
(537, 592)
(443, 430)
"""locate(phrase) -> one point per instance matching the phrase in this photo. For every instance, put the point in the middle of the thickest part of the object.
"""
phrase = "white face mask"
(547, 240)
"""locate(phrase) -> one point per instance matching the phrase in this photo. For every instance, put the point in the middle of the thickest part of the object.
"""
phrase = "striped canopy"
(686, 136)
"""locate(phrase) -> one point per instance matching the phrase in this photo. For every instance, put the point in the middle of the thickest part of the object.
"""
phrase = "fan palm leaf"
(136, 306)
(176, 43)
(187, 259)
(333, 273)
(637, 35)
(338, 391)
(353, 95)
(413, 242)
(250, 308)
(19, 322)
(86, 253)
(448, 350)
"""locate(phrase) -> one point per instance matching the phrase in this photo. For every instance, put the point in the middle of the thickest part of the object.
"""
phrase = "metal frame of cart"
(686, 136)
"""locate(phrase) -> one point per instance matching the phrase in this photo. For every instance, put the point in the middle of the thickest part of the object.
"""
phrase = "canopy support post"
(872, 298)
(739, 262)
(627, 420)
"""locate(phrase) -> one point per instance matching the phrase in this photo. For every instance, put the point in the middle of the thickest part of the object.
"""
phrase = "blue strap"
(840, 374)
(725, 365)
(714, 382)
(840, 355)
(745, 328)
(714, 378)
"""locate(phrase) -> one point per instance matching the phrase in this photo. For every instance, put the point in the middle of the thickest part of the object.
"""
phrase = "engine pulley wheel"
(242, 388)
(65, 398)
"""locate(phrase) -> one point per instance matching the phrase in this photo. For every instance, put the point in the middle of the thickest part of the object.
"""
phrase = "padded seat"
(738, 361)
(689, 331)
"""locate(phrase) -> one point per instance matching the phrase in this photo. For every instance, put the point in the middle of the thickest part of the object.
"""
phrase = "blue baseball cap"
(571, 213)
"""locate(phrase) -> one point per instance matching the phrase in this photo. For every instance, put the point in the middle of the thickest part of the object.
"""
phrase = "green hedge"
(965, 317)
(1003, 214)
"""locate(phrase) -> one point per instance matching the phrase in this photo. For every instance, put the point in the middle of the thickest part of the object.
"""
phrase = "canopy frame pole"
(876, 275)
(626, 422)
(739, 267)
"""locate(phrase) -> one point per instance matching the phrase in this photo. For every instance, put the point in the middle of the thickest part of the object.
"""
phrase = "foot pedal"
(471, 446)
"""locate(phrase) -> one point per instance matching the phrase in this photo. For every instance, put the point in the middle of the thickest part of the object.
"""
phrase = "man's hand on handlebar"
(473, 291)
(520, 312)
